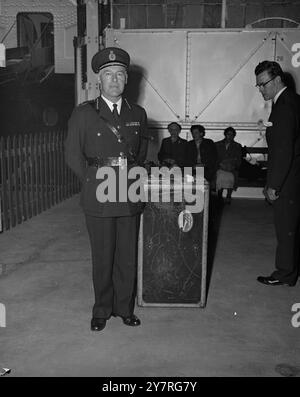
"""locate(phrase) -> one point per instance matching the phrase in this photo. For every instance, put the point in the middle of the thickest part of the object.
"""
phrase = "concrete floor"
(244, 330)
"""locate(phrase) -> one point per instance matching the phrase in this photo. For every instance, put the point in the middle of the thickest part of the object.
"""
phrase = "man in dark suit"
(283, 173)
(202, 152)
(173, 149)
(109, 132)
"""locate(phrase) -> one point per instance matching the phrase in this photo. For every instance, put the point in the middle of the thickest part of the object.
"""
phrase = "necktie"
(198, 153)
(116, 114)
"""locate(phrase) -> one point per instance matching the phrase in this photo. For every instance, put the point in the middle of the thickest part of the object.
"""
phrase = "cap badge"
(112, 56)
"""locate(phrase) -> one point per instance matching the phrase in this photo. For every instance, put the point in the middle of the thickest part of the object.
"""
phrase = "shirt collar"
(278, 94)
(110, 104)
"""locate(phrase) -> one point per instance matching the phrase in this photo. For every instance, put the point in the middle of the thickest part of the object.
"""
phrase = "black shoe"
(132, 321)
(272, 281)
(98, 324)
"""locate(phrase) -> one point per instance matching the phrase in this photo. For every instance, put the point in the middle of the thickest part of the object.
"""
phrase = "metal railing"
(34, 176)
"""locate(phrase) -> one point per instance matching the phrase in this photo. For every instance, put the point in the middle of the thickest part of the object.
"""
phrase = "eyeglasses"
(262, 85)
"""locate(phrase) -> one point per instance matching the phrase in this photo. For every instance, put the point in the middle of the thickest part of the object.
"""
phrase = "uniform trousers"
(287, 227)
(114, 257)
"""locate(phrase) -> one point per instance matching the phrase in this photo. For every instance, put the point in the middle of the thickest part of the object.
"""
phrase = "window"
(35, 29)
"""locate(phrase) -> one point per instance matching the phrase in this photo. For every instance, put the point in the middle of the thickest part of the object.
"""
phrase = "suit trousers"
(287, 227)
(114, 256)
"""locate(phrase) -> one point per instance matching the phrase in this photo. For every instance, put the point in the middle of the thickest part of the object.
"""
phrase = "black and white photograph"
(149, 193)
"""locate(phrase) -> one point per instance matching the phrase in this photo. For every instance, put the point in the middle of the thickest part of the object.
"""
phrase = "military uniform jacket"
(89, 136)
(283, 139)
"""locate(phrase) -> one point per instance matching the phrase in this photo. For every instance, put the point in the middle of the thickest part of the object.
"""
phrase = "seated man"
(202, 152)
(172, 150)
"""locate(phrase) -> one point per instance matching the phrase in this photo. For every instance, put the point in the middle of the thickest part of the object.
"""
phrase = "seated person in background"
(173, 148)
(229, 161)
(202, 152)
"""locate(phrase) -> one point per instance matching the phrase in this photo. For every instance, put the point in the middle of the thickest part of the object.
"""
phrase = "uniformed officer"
(109, 132)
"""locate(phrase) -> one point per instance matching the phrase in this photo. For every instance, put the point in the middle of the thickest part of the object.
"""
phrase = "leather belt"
(97, 162)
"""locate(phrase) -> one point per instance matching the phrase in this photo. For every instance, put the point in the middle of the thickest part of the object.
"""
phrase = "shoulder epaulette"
(87, 102)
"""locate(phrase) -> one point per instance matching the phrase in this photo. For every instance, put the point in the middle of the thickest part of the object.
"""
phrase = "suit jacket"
(208, 155)
(89, 136)
(283, 139)
(175, 151)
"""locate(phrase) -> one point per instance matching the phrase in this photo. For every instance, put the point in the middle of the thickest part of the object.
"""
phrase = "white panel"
(63, 63)
(288, 55)
(2, 32)
(70, 33)
(161, 57)
(206, 76)
(222, 75)
(91, 89)
(208, 73)
(65, 28)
